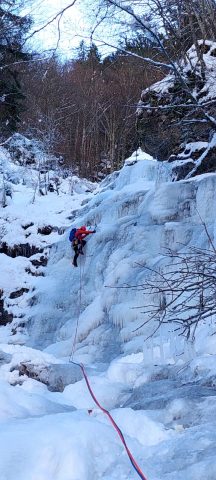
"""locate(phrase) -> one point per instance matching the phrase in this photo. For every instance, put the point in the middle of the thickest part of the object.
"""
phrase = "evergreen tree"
(82, 52)
(12, 31)
(93, 56)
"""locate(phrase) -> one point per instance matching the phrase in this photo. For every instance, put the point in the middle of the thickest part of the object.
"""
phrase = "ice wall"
(138, 213)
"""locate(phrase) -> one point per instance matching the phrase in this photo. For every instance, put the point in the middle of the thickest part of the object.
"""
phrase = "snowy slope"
(161, 392)
(32, 219)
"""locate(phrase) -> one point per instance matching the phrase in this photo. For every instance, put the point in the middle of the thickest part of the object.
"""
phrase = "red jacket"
(81, 233)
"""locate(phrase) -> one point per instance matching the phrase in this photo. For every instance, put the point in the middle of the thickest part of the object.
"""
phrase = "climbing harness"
(106, 412)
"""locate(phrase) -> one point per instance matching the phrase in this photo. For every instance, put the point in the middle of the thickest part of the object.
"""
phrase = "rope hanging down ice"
(106, 412)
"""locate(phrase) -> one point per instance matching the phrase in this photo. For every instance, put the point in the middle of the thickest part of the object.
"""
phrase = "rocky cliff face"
(173, 128)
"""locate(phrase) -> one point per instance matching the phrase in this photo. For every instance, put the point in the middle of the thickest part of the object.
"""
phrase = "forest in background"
(83, 109)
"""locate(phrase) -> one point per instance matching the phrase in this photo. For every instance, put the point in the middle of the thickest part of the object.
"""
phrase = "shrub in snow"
(22, 150)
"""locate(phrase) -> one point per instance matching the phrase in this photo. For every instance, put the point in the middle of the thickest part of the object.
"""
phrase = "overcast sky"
(76, 24)
(73, 25)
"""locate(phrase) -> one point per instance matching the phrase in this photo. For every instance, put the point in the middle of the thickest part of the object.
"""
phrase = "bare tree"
(140, 15)
(84, 109)
(184, 291)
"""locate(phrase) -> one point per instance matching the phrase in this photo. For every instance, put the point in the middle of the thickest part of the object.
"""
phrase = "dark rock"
(45, 230)
(208, 164)
(18, 293)
(27, 225)
(41, 262)
(61, 230)
(56, 376)
(5, 317)
(152, 129)
(34, 274)
(49, 229)
(182, 170)
(21, 250)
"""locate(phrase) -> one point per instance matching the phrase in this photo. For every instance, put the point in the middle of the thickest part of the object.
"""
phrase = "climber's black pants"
(77, 247)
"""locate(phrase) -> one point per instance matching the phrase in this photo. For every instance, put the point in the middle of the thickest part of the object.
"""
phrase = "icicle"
(162, 359)
(189, 350)
(148, 352)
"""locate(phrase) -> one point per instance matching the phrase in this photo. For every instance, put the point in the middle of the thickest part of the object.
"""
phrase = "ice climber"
(77, 238)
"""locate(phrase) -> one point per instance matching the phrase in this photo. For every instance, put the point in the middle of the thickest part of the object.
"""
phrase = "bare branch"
(57, 16)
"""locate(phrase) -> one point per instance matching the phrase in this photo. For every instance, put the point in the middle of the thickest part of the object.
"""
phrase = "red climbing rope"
(133, 461)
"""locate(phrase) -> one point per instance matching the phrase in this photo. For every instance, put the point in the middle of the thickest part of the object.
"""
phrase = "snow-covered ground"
(161, 393)
(32, 220)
